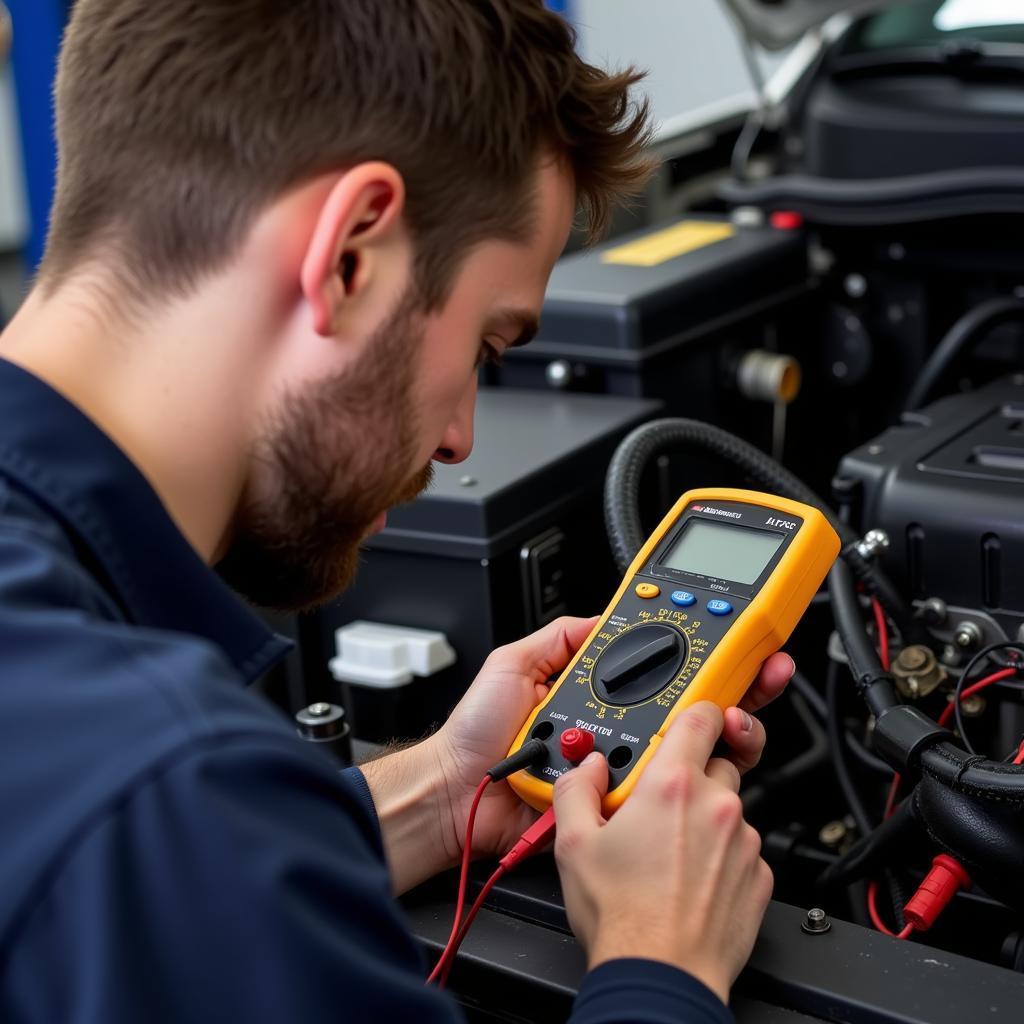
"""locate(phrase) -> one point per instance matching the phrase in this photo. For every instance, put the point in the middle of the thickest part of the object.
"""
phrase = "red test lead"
(940, 885)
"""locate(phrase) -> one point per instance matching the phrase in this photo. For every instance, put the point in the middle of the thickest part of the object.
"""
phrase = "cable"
(959, 693)
(883, 632)
(534, 839)
(540, 831)
(467, 845)
(852, 797)
(1019, 759)
(447, 961)
(876, 918)
(988, 314)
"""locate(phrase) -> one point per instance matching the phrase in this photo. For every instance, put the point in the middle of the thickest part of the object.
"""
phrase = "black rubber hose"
(974, 775)
(835, 738)
(985, 316)
(873, 683)
(647, 442)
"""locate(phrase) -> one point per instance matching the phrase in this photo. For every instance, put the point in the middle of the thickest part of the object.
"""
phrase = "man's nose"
(457, 442)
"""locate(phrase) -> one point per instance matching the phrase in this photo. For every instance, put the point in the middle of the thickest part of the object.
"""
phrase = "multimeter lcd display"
(735, 553)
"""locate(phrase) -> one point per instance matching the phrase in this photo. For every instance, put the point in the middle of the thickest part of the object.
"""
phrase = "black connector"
(902, 733)
(529, 754)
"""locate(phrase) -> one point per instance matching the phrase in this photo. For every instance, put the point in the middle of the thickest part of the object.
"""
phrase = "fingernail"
(746, 723)
(792, 669)
(592, 758)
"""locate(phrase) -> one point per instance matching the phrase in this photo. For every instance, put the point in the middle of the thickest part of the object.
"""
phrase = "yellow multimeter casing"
(716, 589)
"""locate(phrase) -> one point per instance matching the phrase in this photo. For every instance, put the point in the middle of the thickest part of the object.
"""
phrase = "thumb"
(548, 650)
(578, 796)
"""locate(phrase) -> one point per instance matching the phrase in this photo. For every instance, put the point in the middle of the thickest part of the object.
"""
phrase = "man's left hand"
(513, 680)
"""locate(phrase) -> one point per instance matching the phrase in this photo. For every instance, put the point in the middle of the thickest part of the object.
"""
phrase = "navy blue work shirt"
(169, 850)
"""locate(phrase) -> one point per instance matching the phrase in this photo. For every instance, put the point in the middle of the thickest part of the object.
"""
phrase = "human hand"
(676, 874)
(513, 680)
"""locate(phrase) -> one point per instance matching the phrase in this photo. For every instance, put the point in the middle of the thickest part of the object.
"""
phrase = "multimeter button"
(683, 598)
(647, 590)
(719, 607)
(576, 744)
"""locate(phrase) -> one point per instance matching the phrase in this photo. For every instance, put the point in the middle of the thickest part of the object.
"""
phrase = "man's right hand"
(676, 875)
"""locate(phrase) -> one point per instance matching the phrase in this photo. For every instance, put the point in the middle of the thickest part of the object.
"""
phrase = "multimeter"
(719, 586)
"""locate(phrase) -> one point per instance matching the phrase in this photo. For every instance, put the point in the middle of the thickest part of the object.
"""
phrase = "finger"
(724, 772)
(545, 652)
(745, 737)
(692, 736)
(578, 795)
(775, 673)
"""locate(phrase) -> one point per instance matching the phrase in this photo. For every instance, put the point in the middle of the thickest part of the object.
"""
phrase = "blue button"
(683, 598)
(719, 607)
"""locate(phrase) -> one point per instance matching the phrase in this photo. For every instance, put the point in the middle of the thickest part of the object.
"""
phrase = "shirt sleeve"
(645, 992)
(240, 880)
(356, 781)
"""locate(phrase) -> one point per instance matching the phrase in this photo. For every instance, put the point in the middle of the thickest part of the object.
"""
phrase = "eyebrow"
(522, 321)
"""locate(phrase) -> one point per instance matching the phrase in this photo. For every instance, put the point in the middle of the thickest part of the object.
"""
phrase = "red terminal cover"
(576, 744)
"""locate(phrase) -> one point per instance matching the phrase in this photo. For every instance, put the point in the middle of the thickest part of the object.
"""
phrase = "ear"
(362, 210)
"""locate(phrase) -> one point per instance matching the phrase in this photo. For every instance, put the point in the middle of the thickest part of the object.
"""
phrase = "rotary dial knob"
(639, 664)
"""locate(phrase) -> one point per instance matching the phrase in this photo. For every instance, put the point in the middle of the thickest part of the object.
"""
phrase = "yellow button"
(647, 590)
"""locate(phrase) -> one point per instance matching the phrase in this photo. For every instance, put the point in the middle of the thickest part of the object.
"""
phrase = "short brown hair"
(179, 121)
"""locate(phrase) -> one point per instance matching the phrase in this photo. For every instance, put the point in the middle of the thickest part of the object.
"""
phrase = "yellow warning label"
(669, 243)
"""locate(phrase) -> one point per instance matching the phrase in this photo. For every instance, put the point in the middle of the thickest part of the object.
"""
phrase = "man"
(285, 234)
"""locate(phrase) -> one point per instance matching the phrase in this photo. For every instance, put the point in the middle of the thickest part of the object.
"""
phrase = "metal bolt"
(935, 611)
(872, 543)
(972, 706)
(832, 834)
(875, 449)
(967, 636)
(467, 481)
(816, 922)
(319, 709)
(839, 369)
(913, 658)
(855, 285)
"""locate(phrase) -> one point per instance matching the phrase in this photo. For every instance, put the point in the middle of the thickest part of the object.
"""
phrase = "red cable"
(995, 677)
(448, 958)
(890, 802)
(460, 901)
(876, 918)
(1019, 759)
(531, 841)
(883, 632)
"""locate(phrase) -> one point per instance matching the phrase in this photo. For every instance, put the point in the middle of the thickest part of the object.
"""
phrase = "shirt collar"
(58, 455)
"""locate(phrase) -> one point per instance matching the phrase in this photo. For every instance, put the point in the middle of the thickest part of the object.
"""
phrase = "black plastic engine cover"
(947, 485)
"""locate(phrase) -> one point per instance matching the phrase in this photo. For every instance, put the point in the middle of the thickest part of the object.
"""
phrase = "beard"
(338, 455)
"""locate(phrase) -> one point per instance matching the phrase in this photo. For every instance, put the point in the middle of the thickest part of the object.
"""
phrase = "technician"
(285, 234)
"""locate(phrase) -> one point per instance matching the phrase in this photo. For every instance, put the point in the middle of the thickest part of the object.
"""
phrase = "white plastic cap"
(376, 654)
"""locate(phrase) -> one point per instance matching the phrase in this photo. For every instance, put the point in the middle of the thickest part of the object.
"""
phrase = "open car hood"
(775, 24)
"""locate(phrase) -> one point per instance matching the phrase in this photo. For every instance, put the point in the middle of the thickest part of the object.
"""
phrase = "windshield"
(935, 23)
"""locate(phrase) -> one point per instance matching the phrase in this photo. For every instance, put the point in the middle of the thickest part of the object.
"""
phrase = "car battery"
(498, 546)
(947, 487)
(667, 313)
